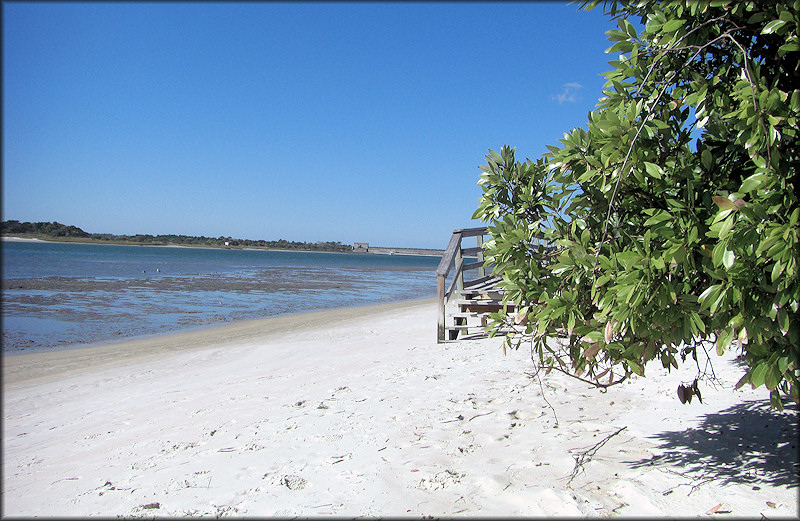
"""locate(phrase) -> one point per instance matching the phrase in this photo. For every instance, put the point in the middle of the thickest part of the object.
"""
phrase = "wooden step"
(472, 314)
(481, 301)
(481, 295)
(463, 327)
(483, 305)
(484, 282)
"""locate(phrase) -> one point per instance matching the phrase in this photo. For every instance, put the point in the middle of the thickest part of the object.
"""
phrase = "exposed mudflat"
(51, 312)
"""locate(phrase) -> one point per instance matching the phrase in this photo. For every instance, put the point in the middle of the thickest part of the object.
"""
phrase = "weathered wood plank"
(455, 282)
(440, 329)
(471, 252)
(449, 254)
(482, 280)
(473, 266)
(481, 268)
(471, 232)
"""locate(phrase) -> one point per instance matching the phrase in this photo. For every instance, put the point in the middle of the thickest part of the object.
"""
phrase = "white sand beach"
(359, 412)
(19, 239)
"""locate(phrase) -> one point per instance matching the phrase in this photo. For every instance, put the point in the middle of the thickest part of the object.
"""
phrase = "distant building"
(361, 246)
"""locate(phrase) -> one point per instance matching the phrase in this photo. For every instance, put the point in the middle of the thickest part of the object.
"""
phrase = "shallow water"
(58, 295)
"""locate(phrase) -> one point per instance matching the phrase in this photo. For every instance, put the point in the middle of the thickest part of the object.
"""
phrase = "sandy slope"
(338, 414)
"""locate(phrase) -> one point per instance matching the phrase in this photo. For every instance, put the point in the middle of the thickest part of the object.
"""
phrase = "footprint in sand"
(441, 480)
(290, 481)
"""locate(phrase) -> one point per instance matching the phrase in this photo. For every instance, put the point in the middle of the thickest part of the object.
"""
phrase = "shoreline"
(5, 238)
(25, 367)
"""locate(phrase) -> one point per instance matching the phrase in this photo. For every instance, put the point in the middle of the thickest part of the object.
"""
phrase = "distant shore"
(378, 250)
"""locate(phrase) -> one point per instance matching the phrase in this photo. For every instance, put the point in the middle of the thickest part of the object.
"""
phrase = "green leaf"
(636, 368)
(593, 337)
(725, 228)
(706, 159)
(658, 217)
(753, 183)
(783, 320)
(653, 170)
(697, 321)
(773, 26)
(728, 259)
(783, 364)
(718, 301)
(772, 376)
(777, 270)
(672, 25)
(744, 379)
(724, 340)
(775, 400)
(709, 295)
(760, 371)
(788, 47)
(718, 254)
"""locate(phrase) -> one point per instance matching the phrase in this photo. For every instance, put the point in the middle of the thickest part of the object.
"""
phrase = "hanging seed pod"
(682, 393)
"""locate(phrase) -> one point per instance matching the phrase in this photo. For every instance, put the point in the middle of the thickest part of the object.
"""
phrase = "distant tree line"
(54, 230)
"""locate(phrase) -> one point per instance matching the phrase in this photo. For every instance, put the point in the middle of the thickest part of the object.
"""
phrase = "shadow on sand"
(745, 444)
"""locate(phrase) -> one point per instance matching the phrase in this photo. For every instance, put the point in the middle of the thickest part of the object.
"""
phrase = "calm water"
(57, 295)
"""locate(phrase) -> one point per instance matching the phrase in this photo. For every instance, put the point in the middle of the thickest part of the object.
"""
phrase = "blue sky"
(351, 122)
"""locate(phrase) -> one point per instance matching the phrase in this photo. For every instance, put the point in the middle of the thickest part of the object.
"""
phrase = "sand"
(359, 412)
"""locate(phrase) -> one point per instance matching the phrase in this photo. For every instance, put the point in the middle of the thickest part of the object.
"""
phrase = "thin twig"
(482, 414)
(586, 456)
(698, 485)
(541, 387)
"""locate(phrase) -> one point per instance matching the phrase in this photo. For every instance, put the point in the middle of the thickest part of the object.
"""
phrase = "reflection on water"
(50, 301)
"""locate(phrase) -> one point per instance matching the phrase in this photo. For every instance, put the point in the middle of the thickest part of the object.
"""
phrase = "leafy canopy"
(673, 213)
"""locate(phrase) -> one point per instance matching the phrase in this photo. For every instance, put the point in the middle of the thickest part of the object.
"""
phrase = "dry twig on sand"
(585, 457)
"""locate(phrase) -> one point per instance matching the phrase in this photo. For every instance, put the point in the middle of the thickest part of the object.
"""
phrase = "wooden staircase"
(465, 305)
(472, 308)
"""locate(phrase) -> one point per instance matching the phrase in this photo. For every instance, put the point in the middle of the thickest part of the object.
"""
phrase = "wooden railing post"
(460, 273)
(441, 311)
(482, 269)
(441, 275)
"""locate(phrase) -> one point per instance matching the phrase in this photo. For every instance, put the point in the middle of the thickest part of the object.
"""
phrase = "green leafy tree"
(672, 217)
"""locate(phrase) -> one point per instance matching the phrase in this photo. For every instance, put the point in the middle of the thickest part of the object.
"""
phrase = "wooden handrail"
(449, 255)
(471, 232)
(454, 256)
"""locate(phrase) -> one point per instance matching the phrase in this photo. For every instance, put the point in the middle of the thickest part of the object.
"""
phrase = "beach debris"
(343, 457)
(150, 506)
(685, 392)
(584, 457)
(718, 509)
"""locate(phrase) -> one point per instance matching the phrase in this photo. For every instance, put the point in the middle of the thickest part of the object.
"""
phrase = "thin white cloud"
(569, 93)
